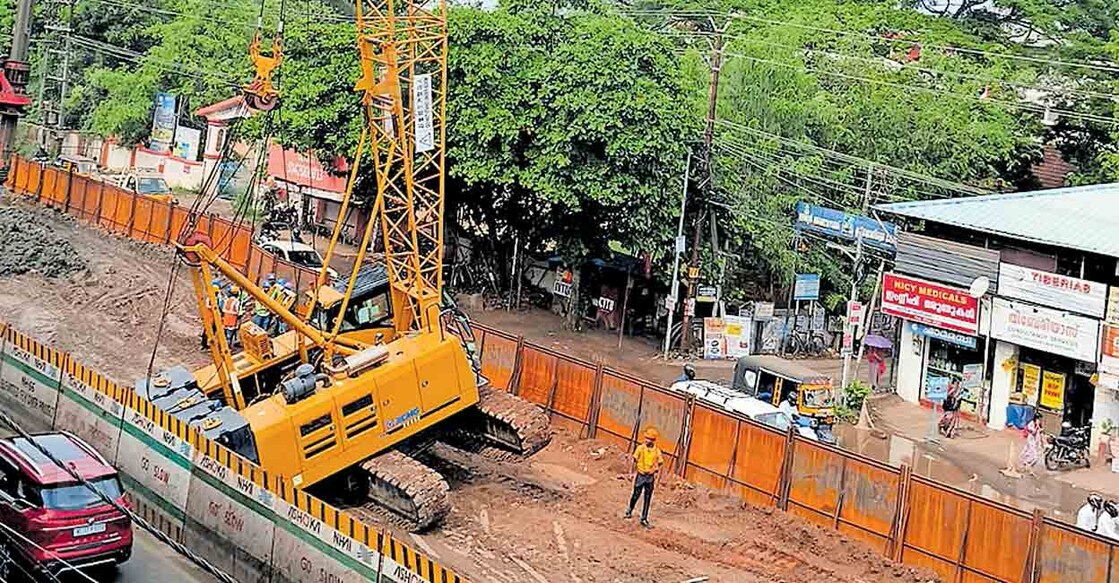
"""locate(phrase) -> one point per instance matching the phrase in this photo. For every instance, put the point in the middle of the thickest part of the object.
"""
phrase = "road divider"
(256, 527)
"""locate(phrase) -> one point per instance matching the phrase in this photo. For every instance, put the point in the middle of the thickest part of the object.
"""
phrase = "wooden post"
(69, 187)
(961, 556)
(1031, 568)
(596, 402)
(686, 435)
(551, 407)
(784, 483)
(131, 216)
(170, 221)
(901, 513)
(518, 357)
(841, 494)
(733, 451)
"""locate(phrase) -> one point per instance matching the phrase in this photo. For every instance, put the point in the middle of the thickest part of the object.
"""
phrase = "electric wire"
(54, 577)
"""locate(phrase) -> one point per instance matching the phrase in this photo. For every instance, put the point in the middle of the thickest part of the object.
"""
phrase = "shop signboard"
(848, 343)
(763, 310)
(1112, 316)
(706, 293)
(845, 226)
(1031, 382)
(737, 332)
(1109, 350)
(806, 287)
(1051, 289)
(972, 378)
(714, 338)
(930, 303)
(855, 311)
(1046, 330)
(562, 286)
(948, 336)
(1052, 391)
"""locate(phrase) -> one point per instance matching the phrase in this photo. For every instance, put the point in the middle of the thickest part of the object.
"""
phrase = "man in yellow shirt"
(648, 460)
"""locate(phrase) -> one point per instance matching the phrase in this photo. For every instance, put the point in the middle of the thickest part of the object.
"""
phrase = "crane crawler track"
(407, 492)
(504, 427)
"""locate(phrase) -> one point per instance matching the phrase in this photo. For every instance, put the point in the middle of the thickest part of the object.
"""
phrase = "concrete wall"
(174, 479)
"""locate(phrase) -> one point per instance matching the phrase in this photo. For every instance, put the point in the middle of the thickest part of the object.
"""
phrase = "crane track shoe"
(504, 427)
(416, 495)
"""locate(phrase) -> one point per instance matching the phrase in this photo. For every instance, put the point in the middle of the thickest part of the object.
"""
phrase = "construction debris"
(27, 245)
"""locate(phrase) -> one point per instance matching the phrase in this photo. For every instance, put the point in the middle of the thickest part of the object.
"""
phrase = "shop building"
(1011, 295)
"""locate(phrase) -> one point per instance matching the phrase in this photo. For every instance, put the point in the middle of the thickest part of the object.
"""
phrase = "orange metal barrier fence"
(917, 521)
(145, 219)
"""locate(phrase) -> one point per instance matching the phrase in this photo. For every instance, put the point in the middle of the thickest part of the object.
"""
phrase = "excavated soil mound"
(28, 245)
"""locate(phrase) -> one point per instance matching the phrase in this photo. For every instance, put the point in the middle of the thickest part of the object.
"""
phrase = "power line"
(988, 79)
(944, 48)
(1003, 104)
(931, 180)
(70, 566)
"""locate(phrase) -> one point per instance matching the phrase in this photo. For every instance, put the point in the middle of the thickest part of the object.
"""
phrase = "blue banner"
(942, 334)
(840, 225)
(806, 287)
(163, 122)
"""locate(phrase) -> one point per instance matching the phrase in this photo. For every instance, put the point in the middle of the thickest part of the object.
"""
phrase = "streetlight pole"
(676, 250)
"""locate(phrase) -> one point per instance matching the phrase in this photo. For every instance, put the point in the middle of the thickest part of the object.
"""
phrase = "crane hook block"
(191, 257)
(261, 94)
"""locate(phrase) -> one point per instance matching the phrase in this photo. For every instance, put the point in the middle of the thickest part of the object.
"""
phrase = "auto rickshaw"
(772, 379)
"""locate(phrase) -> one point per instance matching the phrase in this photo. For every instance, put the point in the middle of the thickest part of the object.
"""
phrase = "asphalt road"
(151, 561)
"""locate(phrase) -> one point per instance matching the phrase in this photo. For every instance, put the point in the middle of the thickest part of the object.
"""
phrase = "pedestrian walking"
(1087, 518)
(648, 461)
(1034, 446)
(950, 420)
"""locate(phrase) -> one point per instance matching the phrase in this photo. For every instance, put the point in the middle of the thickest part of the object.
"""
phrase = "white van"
(731, 400)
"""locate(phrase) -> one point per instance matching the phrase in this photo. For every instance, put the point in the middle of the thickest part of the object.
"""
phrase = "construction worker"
(231, 311)
(216, 285)
(648, 460)
(285, 294)
(262, 316)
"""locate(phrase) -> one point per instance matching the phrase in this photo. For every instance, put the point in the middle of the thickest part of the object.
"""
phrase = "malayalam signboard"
(1051, 289)
(930, 303)
(714, 338)
(806, 287)
(848, 227)
(1109, 350)
(737, 333)
(1031, 382)
(1052, 391)
(763, 310)
(948, 336)
(1045, 329)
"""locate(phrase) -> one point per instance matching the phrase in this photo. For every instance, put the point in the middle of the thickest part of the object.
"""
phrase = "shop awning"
(1084, 218)
(305, 171)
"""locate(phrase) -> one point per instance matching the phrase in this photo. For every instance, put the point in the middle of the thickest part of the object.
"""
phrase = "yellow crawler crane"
(375, 369)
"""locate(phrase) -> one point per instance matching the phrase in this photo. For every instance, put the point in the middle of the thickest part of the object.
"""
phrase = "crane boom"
(403, 47)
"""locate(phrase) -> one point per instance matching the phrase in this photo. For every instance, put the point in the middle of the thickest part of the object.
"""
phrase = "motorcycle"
(1069, 449)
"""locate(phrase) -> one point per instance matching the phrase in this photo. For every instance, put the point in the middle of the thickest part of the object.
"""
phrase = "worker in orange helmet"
(648, 461)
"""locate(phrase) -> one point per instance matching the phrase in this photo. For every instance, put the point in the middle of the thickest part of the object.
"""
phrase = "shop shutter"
(946, 261)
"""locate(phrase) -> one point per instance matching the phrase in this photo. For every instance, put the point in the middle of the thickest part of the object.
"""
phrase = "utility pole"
(677, 249)
(16, 73)
(705, 186)
(848, 329)
(56, 69)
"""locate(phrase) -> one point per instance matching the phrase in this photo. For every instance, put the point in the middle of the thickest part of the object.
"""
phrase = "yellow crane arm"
(196, 250)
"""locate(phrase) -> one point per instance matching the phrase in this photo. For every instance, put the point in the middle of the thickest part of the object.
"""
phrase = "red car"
(51, 522)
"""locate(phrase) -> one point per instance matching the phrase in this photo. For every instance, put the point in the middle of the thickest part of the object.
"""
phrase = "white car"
(731, 400)
(298, 253)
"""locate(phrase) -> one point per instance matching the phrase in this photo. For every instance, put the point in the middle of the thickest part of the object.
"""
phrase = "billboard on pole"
(163, 122)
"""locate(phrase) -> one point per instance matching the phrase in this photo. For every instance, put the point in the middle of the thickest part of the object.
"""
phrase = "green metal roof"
(1085, 218)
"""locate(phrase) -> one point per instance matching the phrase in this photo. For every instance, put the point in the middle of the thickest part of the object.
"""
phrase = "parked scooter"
(1069, 449)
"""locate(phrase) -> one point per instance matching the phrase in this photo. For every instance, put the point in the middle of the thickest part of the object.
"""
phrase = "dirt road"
(556, 519)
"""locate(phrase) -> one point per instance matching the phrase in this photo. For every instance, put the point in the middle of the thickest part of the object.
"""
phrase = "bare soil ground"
(555, 518)
(106, 315)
